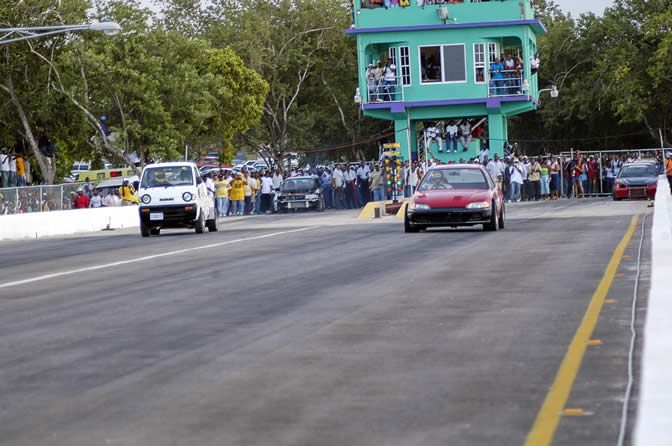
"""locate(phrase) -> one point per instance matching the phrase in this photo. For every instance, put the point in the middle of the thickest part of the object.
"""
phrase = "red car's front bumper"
(622, 191)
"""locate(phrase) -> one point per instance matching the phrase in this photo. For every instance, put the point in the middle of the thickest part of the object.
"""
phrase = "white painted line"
(145, 258)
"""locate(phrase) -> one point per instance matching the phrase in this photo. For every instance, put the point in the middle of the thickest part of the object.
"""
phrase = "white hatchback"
(173, 195)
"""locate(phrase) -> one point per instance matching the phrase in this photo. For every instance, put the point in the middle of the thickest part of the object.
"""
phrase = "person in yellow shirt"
(237, 195)
(222, 188)
(127, 193)
(248, 191)
(20, 171)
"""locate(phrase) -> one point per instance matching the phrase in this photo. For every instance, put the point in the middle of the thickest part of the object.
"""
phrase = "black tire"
(213, 225)
(494, 220)
(200, 224)
(617, 198)
(155, 231)
(501, 217)
(408, 227)
(145, 230)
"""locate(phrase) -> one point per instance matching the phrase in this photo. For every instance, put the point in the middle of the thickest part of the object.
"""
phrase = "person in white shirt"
(210, 186)
(337, 184)
(350, 179)
(465, 135)
(491, 167)
(277, 180)
(389, 80)
(483, 155)
(432, 134)
(451, 135)
(4, 167)
(413, 176)
(96, 200)
(510, 75)
(525, 191)
(363, 174)
(535, 62)
(266, 193)
(516, 175)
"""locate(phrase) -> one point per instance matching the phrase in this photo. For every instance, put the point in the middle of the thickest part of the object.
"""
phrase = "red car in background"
(636, 180)
(456, 195)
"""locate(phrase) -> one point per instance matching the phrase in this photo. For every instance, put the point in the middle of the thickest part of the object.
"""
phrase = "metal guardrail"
(382, 92)
(21, 200)
(511, 84)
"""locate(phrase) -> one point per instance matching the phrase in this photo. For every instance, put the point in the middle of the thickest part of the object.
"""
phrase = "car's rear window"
(167, 176)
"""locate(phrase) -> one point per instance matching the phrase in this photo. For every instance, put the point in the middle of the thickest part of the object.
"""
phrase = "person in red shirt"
(82, 201)
(591, 171)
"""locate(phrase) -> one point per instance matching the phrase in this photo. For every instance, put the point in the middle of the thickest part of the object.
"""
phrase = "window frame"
(405, 68)
(481, 65)
(443, 81)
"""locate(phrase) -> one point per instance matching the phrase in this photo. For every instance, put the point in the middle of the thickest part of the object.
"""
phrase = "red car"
(456, 195)
(636, 180)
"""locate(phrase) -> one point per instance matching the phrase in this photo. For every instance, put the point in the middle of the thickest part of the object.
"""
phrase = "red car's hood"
(454, 198)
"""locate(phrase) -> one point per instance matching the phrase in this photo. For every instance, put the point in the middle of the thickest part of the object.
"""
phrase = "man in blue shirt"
(496, 77)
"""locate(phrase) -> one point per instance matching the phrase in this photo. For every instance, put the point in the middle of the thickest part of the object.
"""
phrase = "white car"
(173, 195)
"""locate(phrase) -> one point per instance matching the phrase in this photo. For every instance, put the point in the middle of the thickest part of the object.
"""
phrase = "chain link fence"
(21, 200)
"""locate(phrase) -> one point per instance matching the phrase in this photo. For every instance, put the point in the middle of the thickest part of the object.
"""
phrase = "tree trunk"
(46, 169)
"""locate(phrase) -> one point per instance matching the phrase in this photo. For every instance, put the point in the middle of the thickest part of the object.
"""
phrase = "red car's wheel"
(494, 219)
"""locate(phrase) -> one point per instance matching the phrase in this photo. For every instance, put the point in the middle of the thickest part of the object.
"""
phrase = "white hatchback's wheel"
(213, 225)
(200, 224)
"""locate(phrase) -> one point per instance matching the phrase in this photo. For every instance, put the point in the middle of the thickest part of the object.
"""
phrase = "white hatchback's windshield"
(167, 176)
(445, 179)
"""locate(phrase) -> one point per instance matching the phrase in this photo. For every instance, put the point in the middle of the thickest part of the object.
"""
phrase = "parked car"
(636, 180)
(456, 195)
(300, 193)
(106, 186)
(173, 195)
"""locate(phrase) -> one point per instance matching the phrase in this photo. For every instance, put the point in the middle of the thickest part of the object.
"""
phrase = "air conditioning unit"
(443, 13)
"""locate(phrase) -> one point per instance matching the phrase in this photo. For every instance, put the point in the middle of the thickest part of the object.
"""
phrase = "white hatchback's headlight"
(146, 199)
(187, 196)
(312, 196)
(478, 205)
(422, 206)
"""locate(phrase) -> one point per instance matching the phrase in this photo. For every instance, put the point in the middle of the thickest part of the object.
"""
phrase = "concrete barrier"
(45, 224)
(653, 426)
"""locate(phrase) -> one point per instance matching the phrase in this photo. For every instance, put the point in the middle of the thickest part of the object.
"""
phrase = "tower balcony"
(372, 14)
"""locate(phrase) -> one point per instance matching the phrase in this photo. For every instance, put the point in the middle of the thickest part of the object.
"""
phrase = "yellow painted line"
(367, 211)
(610, 301)
(627, 257)
(594, 342)
(402, 209)
(547, 420)
(619, 275)
(572, 412)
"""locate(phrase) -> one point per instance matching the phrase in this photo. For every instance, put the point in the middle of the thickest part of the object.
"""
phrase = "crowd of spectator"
(405, 3)
(352, 185)
(381, 81)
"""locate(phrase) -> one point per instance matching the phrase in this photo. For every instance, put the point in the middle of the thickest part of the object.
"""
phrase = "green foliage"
(613, 77)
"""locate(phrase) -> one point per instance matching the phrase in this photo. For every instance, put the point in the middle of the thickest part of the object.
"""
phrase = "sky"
(577, 7)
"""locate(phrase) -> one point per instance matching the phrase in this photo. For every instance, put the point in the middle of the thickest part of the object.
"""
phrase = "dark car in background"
(302, 192)
(636, 180)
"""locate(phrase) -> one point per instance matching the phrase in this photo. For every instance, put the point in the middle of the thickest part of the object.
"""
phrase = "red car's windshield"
(446, 179)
